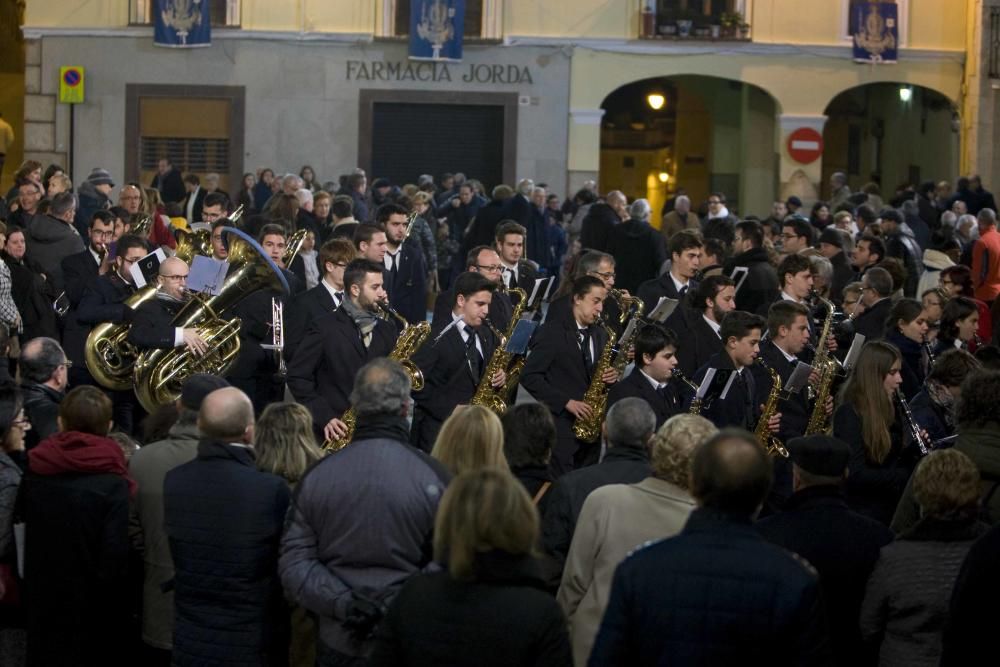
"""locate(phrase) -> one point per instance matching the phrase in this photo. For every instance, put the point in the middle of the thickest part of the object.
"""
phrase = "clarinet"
(922, 444)
(929, 351)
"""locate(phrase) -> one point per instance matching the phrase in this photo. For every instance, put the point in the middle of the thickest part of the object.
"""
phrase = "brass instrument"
(109, 357)
(695, 407)
(295, 242)
(486, 395)
(768, 440)
(278, 335)
(142, 226)
(596, 396)
(159, 373)
(514, 370)
(827, 367)
(199, 242)
(923, 445)
(631, 306)
(410, 339)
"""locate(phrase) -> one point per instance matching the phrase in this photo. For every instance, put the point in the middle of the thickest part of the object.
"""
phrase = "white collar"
(712, 323)
(656, 385)
(333, 291)
(788, 357)
(677, 284)
(788, 297)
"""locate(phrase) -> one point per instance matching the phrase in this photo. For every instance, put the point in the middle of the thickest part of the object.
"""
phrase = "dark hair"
(470, 282)
(961, 275)
(272, 229)
(355, 272)
(989, 357)
(716, 248)
(342, 207)
(957, 308)
(336, 249)
(866, 214)
(685, 240)
(40, 357)
(752, 231)
(731, 473)
(385, 211)
(529, 434)
(510, 227)
(11, 403)
(364, 234)
(583, 285)
(86, 409)
(800, 227)
(127, 242)
(738, 324)
(953, 366)
(783, 314)
(120, 213)
(876, 246)
(651, 339)
(891, 214)
(192, 179)
(216, 199)
(103, 217)
(977, 404)
(792, 264)
(904, 309)
(472, 258)
(894, 266)
(707, 290)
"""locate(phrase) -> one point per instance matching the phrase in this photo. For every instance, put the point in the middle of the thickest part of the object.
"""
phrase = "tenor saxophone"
(764, 436)
(486, 394)
(588, 429)
(410, 339)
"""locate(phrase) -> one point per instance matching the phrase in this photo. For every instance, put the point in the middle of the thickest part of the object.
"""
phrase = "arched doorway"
(12, 82)
(890, 134)
(709, 134)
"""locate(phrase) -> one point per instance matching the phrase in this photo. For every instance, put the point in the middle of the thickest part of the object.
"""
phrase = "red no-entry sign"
(805, 145)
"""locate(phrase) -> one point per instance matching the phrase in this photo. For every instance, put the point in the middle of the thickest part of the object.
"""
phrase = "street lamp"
(655, 101)
(905, 93)
(663, 176)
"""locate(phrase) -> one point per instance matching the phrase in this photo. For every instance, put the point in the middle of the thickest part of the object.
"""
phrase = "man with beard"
(696, 324)
(760, 287)
(405, 269)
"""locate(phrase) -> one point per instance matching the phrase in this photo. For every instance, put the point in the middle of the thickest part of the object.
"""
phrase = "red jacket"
(986, 265)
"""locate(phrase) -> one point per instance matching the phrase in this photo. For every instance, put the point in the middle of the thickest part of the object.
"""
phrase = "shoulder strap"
(542, 490)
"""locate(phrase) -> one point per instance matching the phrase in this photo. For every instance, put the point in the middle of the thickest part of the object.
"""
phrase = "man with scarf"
(361, 521)
(151, 326)
(335, 346)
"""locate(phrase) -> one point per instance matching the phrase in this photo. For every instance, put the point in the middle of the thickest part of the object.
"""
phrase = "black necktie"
(682, 291)
(472, 353)
(513, 279)
(338, 298)
(583, 335)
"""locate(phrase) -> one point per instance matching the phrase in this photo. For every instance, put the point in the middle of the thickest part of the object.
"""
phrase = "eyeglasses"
(714, 201)
(184, 277)
(492, 268)
(67, 364)
(606, 276)
(102, 235)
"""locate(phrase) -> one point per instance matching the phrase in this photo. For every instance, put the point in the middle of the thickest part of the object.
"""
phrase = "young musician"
(959, 324)
(152, 325)
(486, 262)
(309, 306)
(517, 272)
(558, 371)
(454, 358)
(336, 345)
(371, 242)
(686, 248)
(867, 419)
(796, 278)
(655, 360)
(597, 265)
(934, 406)
(697, 324)
(740, 332)
(907, 329)
(405, 268)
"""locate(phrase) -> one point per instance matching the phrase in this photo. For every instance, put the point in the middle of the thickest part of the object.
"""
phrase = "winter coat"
(970, 633)
(934, 261)
(760, 288)
(51, 240)
(91, 200)
(34, 296)
(41, 406)
(595, 230)
(912, 354)
(639, 250)
(10, 480)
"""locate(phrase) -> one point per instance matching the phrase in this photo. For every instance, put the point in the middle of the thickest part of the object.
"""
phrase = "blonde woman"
(489, 606)
(470, 439)
(284, 441)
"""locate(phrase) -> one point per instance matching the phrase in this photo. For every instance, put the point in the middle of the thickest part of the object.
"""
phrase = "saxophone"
(764, 436)
(826, 366)
(486, 395)
(410, 339)
(695, 407)
(514, 371)
(631, 306)
(596, 396)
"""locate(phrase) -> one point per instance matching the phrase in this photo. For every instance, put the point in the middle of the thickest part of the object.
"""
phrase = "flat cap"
(820, 454)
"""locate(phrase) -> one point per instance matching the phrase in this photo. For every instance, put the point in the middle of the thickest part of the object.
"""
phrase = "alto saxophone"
(486, 394)
(695, 407)
(410, 339)
(514, 371)
(631, 306)
(827, 367)
(588, 429)
(764, 436)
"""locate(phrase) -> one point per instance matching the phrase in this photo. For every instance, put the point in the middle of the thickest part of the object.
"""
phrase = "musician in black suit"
(256, 370)
(517, 271)
(696, 323)
(596, 265)
(875, 292)
(79, 272)
(686, 249)
(152, 326)
(486, 262)
(741, 332)
(337, 345)
(325, 298)
(195, 198)
(558, 370)
(655, 360)
(405, 268)
(454, 358)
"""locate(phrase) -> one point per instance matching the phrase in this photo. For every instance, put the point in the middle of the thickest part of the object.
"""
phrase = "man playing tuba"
(151, 326)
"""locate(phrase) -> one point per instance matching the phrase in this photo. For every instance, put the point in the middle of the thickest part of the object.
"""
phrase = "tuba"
(764, 436)
(159, 374)
(410, 339)
(109, 357)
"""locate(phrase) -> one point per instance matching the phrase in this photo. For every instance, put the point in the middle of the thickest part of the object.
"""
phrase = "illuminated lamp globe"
(663, 176)
(655, 101)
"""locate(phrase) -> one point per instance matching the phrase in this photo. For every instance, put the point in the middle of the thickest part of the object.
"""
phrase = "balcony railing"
(683, 19)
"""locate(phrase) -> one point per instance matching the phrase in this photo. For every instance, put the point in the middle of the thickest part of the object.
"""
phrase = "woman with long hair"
(959, 324)
(308, 176)
(284, 441)
(906, 328)
(957, 281)
(244, 197)
(866, 419)
(470, 439)
(488, 606)
(820, 216)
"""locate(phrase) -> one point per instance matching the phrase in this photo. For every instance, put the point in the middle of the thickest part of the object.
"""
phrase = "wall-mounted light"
(905, 94)
(655, 101)
(663, 176)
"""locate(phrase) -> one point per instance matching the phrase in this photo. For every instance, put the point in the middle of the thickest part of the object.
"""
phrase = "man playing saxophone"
(151, 326)
(655, 361)
(558, 371)
(337, 345)
(454, 358)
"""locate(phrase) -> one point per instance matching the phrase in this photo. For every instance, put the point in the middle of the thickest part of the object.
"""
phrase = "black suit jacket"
(321, 373)
(652, 290)
(448, 378)
(408, 288)
(871, 323)
(843, 273)
(500, 312)
(80, 271)
(199, 200)
(104, 301)
(256, 314)
(636, 385)
(305, 309)
(554, 372)
(696, 342)
(740, 407)
(152, 326)
(526, 276)
(171, 186)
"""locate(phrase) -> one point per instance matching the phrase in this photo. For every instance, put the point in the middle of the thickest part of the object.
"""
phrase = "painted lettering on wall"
(359, 70)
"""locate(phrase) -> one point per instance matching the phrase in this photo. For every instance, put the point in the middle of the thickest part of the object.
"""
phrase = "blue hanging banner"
(436, 29)
(181, 23)
(875, 32)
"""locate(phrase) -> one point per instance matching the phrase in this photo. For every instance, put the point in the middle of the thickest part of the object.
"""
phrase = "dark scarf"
(76, 452)
(382, 427)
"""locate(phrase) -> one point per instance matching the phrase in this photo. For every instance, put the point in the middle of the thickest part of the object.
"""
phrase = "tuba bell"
(159, 374)
(109, 357)
(199, 242)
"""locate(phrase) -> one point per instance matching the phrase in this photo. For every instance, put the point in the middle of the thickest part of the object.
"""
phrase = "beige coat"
(615, 519)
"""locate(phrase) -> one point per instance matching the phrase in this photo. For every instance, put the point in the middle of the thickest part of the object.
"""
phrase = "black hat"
(381, 183)
(197, 387)
(819, 454)
(794, 201)
(833, 236)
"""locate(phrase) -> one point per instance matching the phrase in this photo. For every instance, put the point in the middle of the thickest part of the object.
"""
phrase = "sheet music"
(799, 377)
(855, 351)
(519, 339)
(706, 383)
(664, 309)
(207, 275)
(146, 268)
(534, 292)
(628, 330)
(729, 383)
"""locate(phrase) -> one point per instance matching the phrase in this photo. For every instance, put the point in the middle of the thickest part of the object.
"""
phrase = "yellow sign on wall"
(71, 84)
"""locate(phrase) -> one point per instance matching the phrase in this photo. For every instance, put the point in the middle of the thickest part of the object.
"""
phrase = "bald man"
(223, 519)
(152, 326)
